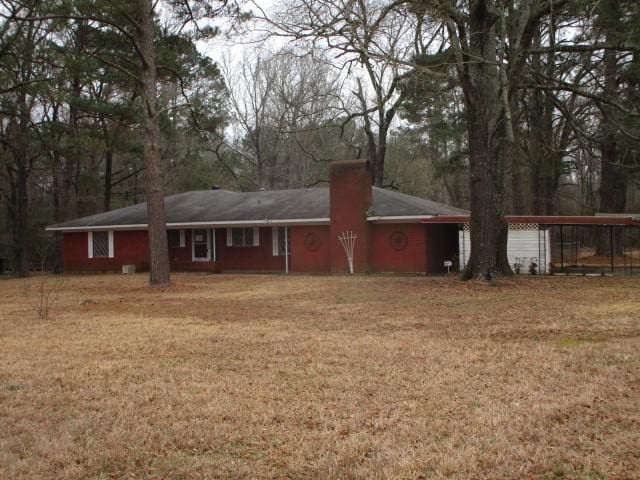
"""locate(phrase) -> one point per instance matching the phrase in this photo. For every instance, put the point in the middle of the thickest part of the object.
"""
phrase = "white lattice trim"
(523, 227)
(516, 227)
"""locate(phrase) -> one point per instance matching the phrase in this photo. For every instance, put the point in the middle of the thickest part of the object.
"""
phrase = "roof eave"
(398, 218)
(547, 220)
(174, 225)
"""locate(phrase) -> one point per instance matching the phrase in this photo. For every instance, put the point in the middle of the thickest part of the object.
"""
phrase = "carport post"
(611, 245)
(561, 251)
(630, 236)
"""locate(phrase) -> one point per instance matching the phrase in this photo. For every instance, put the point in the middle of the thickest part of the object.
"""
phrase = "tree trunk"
(613, 180)
(489, 230)
(19, 212)
(517, 181)
(546, 165)
(486, 124)
(512, 152)
(108, 168)
(159, 275)
(108, 165)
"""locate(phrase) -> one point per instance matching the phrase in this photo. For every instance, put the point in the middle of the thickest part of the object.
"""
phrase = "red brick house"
(281, 230)
(299, 230)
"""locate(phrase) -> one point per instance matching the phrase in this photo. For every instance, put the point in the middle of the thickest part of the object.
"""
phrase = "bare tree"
(372, 43)
(286, 107)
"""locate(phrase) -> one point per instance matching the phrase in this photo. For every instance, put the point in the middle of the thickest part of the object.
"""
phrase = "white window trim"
(111, 248)
(90, 245)
(193, 247)
(181, 238)
(274, 241)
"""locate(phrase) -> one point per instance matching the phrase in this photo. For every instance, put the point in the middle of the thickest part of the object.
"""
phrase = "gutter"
(399, 218)
(176, 225)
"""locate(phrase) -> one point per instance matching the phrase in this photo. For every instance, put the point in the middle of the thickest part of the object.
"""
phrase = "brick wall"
(130, 247)
(258, 258)
(310, 249)
(399, 247)
(181, 258)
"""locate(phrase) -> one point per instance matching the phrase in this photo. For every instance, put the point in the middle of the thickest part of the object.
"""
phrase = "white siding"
(464, 244)
(524, 246)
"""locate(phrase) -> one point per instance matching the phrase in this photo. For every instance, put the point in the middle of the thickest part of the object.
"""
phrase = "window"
(201, 241)
(243, 237)
(100, 244)
(175, 238)
(281, 241)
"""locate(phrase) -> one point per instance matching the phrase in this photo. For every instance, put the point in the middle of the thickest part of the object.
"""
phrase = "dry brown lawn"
(322, 377)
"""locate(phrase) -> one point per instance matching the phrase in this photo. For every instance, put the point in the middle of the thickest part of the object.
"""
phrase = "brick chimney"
(350, 198)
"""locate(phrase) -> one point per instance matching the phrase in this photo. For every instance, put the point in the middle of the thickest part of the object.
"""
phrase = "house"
(294, 231)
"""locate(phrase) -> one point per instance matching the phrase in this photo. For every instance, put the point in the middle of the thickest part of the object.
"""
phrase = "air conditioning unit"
(128, 269)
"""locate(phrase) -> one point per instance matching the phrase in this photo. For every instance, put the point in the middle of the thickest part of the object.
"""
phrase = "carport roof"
(599, 219)
(224, 207)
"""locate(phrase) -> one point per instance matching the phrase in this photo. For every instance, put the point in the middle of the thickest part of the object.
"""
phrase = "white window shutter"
(90, 243)
(182, 241)
(274, 241)
(256, 236)
(111, 249)
(229, 238)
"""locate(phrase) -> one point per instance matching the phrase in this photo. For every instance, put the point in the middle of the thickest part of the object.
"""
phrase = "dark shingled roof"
(206, 206)
(388, 203)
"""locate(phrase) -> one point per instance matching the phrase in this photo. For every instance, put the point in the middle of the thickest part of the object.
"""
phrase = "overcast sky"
(233, 48)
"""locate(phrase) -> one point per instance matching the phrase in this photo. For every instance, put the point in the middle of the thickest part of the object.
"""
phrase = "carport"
(565, 245)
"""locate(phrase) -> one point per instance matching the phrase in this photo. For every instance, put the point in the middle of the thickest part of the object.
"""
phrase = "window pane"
(281, 241)
(248, 237)
(237, 237)
(174, 238)
(200, 250)
(200, 245)
(100, 244)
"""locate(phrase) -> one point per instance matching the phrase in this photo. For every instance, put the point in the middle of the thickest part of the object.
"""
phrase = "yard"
(321, 377)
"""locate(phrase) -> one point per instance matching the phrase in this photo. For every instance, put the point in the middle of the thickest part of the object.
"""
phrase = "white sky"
(235, 47)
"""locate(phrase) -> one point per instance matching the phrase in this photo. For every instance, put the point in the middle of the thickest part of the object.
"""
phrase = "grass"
(322, 377)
